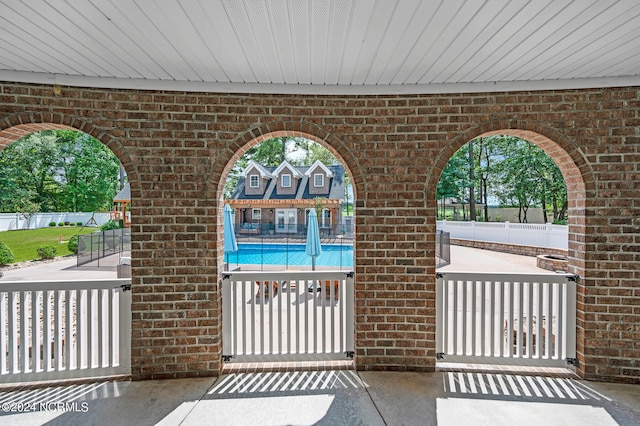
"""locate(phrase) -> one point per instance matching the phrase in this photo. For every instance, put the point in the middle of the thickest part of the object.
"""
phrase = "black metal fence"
(443, 248)
(269, 231)
(94, 247)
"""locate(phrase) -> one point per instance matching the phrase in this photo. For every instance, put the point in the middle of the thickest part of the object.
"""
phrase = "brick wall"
(178, 147)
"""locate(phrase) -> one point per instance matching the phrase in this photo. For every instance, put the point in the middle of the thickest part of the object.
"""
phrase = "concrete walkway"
(467, 259)
(61, 269)
(342, 397)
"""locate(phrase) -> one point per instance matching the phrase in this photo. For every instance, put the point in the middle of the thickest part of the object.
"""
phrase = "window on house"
(326, 218)
(256, 214)
(253, 181)
(286, 181)
(318, 180)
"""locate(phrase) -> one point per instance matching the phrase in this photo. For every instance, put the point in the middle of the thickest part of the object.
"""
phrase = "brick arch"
(259, 134)
(581, 188)
(15, 127)
(576, 171)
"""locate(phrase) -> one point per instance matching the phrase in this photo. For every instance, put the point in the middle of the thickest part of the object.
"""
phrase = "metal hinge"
(572, 361)
(226, 358)
(350, 354)
(350, 274)
(125, 287)
(440, 356)
(573, 278)
(439, 274)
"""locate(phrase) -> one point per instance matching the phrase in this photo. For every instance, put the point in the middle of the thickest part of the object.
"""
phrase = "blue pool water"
(291, 255)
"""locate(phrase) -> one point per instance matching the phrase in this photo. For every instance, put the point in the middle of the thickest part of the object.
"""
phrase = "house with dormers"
(277, 200)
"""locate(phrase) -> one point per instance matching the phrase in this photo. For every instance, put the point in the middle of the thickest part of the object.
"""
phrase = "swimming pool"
(291, 255)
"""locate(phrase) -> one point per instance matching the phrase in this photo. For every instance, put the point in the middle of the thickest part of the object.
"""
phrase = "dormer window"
(253, 181)
(318, 180)
(286, 181)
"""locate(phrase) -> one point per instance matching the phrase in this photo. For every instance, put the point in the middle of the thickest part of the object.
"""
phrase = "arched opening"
(304, 302)
(62, 178)
(79, 323)
(505, 195)
(529, 310)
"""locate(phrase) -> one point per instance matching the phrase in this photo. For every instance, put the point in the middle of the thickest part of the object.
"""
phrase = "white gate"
(273, 316)
(64, 329)
(516, 319)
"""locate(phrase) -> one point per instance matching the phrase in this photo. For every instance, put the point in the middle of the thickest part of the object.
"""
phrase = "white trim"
(325, 222)
(253, 165)
(282, 181)
(322, 180)
(314, 89)
(317, 164)
(251, 185)
(285, 164)
(256, 216)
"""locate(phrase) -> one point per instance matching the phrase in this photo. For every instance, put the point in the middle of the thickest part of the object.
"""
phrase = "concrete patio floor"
(343, 397)
(333, 397)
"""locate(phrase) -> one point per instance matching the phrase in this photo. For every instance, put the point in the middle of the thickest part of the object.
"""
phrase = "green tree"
(453, 180)
(510, 169)
(60, 170)
(27, 170)
(6, 255)
(89, 172)
(529, 178)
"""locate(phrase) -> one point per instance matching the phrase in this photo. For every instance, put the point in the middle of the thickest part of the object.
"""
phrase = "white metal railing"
(52, 330)
(268, 316)
(532, 234)
(517, 319)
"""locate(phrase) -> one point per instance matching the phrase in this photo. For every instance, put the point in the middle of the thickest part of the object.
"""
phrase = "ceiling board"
(324, 46)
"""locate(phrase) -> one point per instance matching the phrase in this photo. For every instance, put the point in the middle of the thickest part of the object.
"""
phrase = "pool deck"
(463, 259)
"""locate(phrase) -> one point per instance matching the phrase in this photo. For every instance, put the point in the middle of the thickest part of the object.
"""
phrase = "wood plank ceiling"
(322, 46)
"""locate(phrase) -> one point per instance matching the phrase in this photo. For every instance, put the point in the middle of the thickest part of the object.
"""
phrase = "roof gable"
(285, 165)
(317, 164)
(253, 165)
(124, 194)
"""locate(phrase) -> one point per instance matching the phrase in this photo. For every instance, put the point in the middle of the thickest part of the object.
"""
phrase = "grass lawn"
(24, 243)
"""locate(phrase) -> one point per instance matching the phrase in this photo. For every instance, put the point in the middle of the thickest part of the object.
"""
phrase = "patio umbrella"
(313, 247)
(230, 243)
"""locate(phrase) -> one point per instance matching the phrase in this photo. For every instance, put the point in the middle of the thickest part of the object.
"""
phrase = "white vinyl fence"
(516, 319)
(15, 221)
(64, 330)
(530, 234)
(272, 316)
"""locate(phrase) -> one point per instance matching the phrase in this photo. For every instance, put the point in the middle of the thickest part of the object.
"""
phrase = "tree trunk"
(486, 201)
(563, 211)
(472, 204)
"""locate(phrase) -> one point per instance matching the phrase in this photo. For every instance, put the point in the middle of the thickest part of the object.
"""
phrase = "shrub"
(60, 223)
(46, 252)
(73, 244)
(6, 255)
(52, 224)
(79, 224)
(112, 224)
